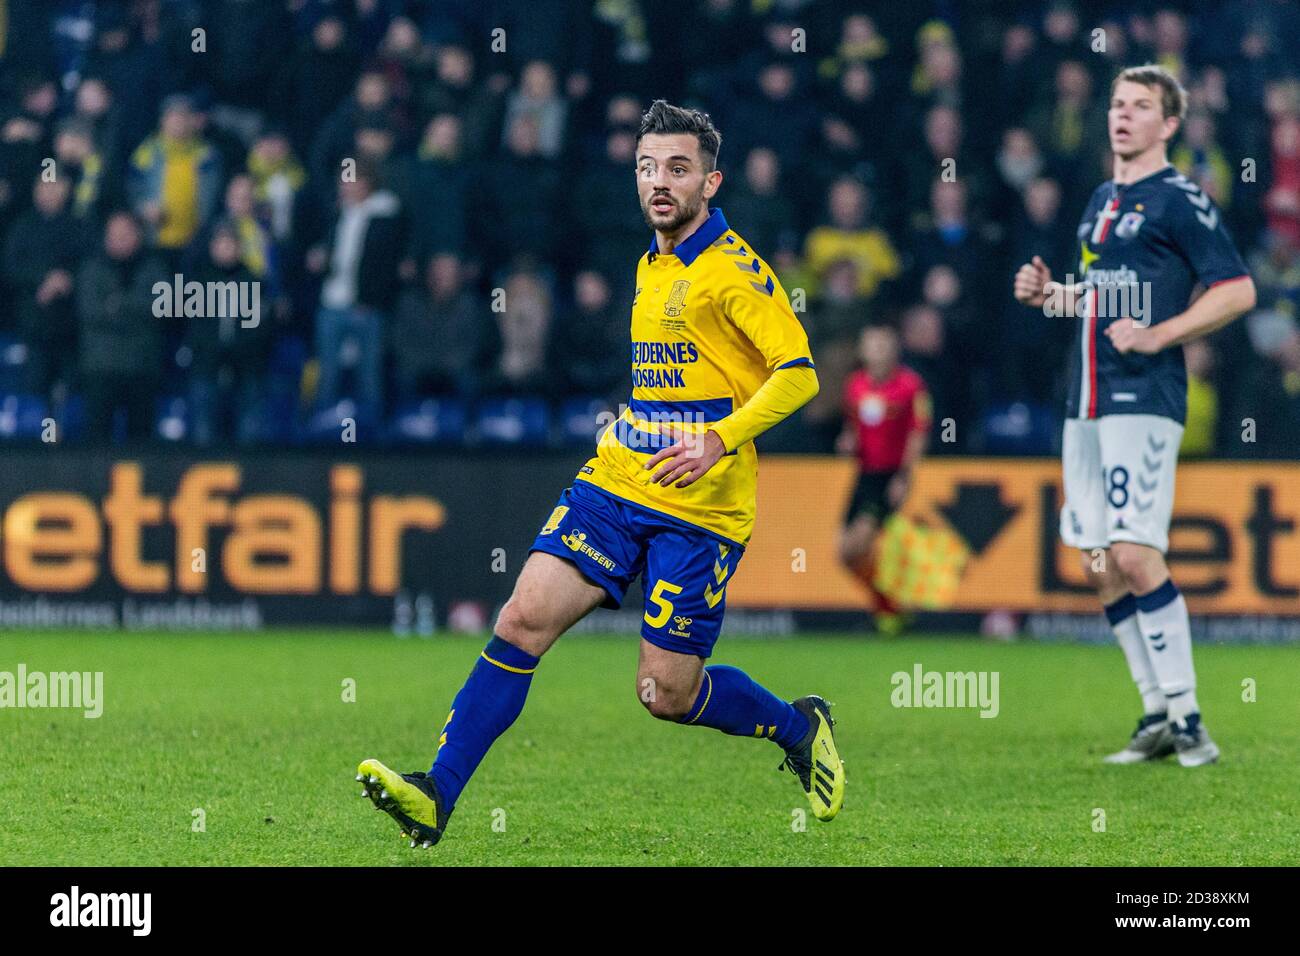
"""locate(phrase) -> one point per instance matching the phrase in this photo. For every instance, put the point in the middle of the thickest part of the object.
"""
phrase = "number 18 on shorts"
(1119, 473)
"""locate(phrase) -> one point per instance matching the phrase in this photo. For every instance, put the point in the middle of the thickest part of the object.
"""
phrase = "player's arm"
(770, 324)
(1215, 308)
(846, 443)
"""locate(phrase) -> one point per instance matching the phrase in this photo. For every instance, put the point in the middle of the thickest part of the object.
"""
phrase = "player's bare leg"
(550, 596)
(1166, 631)
(857, 552)
(667, 682)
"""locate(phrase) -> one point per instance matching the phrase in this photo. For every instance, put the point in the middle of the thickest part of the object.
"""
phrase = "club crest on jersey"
(676, 297)
(1129, 224)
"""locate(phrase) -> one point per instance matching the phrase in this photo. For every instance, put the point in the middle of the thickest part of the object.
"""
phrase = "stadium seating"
(516, 422)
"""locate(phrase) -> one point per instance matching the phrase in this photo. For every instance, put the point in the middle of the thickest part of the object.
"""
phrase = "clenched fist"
(1031, 281)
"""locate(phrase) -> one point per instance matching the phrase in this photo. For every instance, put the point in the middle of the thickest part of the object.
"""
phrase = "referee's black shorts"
(870, 496)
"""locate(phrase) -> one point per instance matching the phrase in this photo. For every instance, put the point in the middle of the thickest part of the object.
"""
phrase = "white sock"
(1162, 616)
(1122, 615)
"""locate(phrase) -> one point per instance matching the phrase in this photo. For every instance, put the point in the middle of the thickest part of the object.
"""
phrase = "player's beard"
(686, 210)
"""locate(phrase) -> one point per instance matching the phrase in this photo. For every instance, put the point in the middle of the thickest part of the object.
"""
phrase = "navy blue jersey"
(1144, 248)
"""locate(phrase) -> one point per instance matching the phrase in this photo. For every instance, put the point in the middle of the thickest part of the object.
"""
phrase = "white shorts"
(1119, 480)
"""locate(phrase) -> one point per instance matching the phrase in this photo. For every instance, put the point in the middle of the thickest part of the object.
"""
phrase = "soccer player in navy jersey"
(1157, 269)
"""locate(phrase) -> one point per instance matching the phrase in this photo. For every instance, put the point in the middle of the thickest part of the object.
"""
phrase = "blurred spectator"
(1033, 346)
(440, 178)
(849, 235)
(359, 264)
(521, 199)
(94, 106)
(1202, 401)
(120, 342)
(42, 250)
(1267, 400)
(1203, 160)
(834, 322)
(24, 138)
(314, 80)
(538, 98)
(945, 156)
(613, 230)
(456, 88)
(370, 103)
(1071, 127)
(1283, 200)
(228, 356)
(757, 206)
(950, 238)
(524, 329)
(1019, 162)
(592, 341)
(769, 116)
(278, 179)
(925, 352)
(936, 81)
(440, 334)
(854, 110)
(80, 163)
(175, 183)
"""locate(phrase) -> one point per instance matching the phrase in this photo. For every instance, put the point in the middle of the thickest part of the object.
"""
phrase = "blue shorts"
(612, 541)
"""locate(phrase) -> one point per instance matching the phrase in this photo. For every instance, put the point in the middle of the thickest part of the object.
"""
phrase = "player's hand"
(687, 459)
(1127, 336)
(897, 489)
(1030, 280)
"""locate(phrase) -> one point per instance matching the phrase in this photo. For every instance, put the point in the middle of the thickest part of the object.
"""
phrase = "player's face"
(672, 182)
(1136, 120)
(879, 350)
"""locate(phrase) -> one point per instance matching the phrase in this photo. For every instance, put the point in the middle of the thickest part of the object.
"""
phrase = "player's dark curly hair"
(663, 117)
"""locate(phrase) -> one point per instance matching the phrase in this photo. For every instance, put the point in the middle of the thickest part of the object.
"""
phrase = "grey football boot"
(1152, 740)
(1192, 743)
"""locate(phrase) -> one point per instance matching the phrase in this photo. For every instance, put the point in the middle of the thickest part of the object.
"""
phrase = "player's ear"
(711, 183)
(1172, 123)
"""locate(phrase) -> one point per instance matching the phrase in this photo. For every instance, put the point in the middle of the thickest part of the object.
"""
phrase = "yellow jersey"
(710, 324)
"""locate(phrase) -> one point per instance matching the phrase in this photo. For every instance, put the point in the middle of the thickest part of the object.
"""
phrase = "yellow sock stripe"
(507, 667)
(707, 695)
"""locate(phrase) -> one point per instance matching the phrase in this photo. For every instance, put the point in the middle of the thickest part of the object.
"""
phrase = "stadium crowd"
(436, 200)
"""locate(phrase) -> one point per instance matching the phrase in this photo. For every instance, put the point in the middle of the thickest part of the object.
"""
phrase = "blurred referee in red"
(887, 426)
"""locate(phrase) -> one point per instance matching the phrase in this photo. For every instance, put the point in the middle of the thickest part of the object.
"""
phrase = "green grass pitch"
(253, 731)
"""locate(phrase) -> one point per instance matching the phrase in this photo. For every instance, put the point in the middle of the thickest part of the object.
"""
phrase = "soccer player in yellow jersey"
(718, 357)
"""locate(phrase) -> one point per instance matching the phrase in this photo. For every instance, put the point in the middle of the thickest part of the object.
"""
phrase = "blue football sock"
(486, 706)
(730, 701)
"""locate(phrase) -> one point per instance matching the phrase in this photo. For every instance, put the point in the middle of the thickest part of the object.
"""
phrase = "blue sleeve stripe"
(794, 363)
(688, 410)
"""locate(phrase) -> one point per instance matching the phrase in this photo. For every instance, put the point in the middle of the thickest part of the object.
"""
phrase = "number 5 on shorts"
(658, 600)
